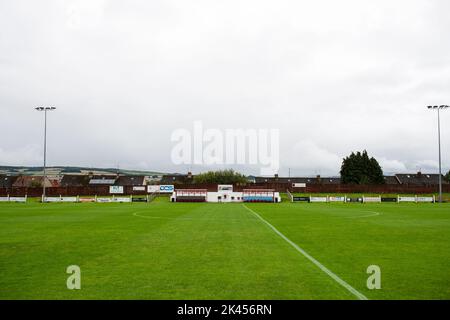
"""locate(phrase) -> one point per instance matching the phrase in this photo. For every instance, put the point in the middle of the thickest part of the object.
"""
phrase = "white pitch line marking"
(372, 214)
(164, 218)
(335, 277)
(148, 217)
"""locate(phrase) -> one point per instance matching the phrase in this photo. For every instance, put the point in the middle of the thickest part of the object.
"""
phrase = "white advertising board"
(104, 200)
(116, 189)
(425, 199)
(406, 199)
(299, 185)
(225, 187)
(69, 199)
(13, 199)
(167, 188)
(52, 199)
(18, 199)
(121, 200)
(371, 199)
(152, 189)
(336, 199)
(318, 199)
(139, 188)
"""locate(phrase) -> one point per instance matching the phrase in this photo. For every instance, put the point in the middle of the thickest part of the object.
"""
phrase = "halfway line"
(336, 278)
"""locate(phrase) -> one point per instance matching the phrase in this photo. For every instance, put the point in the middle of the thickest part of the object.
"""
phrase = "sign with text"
(168, 188)
(336, 199)
(299, 185)
(300, 199)
(116, 189)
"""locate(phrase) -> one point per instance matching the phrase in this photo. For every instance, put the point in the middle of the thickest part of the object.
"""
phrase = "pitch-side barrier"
(13, 199)
(78, 199)
(363, 199)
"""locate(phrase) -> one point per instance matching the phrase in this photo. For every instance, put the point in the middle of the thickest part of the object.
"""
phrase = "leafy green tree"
(221, 176)
(358, 168)
(447, 176)
(36, 184)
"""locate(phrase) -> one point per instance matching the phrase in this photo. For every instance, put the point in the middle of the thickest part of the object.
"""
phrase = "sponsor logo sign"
(166, 188)
(372, 199)
(116, 189)
(425, 199)
(18, 199)
(318, 199)
(139, 188)
(152, 189)
(336, 199)
(121, 200)
(407, 199)
(300, 199)
(52, 199)
(354, 199)
(225, 187)
(299, 185)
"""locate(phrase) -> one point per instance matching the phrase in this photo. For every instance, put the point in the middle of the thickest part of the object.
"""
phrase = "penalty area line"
(332, 275)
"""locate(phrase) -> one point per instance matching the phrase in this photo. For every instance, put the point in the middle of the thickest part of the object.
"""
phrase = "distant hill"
(60, 170)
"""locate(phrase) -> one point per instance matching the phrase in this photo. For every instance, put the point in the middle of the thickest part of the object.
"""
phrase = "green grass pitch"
(164, 250)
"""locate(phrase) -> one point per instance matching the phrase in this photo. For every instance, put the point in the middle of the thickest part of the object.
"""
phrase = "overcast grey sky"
(333, 76)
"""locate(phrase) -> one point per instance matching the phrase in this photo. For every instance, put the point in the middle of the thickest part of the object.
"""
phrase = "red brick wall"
(281, 187)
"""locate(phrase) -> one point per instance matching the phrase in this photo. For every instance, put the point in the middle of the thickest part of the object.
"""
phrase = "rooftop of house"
(420, 178)
(103, 180)
(75, 180)
(310, 180)
(130, 181)
(391, 180)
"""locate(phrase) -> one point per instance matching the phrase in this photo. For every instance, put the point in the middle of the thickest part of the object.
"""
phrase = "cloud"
(84, 13)
(391, 166)
(306, 157)
(27, 155)
(426, 165)
(341, 76)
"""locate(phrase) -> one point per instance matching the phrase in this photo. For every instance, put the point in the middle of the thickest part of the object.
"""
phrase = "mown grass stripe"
(335, 277)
